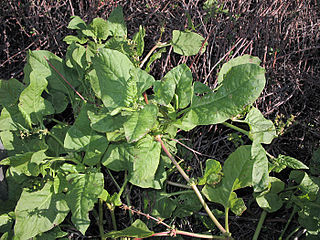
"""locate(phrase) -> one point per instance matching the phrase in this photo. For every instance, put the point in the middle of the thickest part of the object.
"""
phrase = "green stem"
(236, 128)
(260, 223)
(294, 211)
(57, 139)
(158, 45)
(197, 235)
(226, 223)
(113, 179)
(101, 230)
(293, 232)
(59, 122)
(194, 187)
(178, 184)
(113, 218)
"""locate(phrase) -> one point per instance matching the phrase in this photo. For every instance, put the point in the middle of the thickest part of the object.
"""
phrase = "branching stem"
(158, 45)
(193, 185)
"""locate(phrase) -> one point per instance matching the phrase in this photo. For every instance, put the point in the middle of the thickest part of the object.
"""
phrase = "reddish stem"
(65, 80)
(145, 97)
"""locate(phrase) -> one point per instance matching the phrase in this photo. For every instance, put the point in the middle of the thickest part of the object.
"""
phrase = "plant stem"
(101, 230)
(193, 185)
(113, 218)
(289, 221)
(226, 224)
(194, 235)
(178, 184)
(59, 122)
(293, 232)
(260, 223)
(197, 235)
(113, 179)
(64, 79)
(236, 128)
(57, 139)
(158, 45)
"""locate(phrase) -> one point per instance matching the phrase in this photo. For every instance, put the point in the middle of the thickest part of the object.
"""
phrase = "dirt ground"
(284, 34)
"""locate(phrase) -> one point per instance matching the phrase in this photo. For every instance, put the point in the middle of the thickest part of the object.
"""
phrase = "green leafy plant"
(56, 167)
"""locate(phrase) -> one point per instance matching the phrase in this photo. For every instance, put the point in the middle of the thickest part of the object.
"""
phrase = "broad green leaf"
(260, 173)
(142, 79)
(187, 204)
(76, 57)
(235, 62)
(55, 144)
(81, 137)
(116, 23)
(6, 221)
(160, 204)
(113, 71)
(164, 91)
(7, 235)
(122, 45)
(138, 38)
(10, 91)
(269, 199)
(84, 192)
(200, 88)
(38, 212)
(138, 230)
(12, 119)
(140, 123)
(31, 104)
(212, 175)
(54, 233)
(19, 163)
(182, 77)
(145, 162)
(26, 163)
(237, 205)
(134, 158)
(100, 28)
(261, 129)
(59, 101)
(187, 43)
(70, 39)
(13, 143)
(242, 86)
(237, 172)
(95, 149)
(118, 156)
(308, 185)
(37, 63)
(154, 57)
(282, 162)
(103, 122)
(309, 214)
(77, 23)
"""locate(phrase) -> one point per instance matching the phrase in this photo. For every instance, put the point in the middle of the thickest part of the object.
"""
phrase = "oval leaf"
(140, 123)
